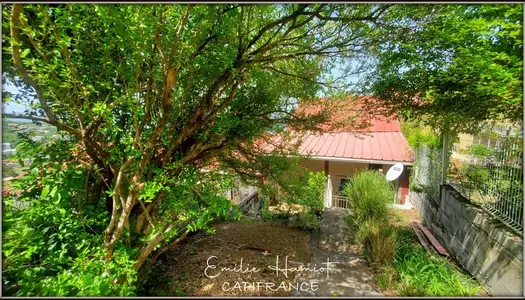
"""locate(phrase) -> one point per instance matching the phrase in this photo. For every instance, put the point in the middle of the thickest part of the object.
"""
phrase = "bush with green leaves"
(53, 245)
(301, 189)
(307, 221)
(307, 190)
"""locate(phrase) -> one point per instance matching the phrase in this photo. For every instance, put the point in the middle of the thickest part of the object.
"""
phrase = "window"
(342, 183)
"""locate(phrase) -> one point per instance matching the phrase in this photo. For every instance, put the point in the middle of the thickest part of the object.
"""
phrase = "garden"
(240, 245)
(402, 265)
(282, 230)
(153, 111)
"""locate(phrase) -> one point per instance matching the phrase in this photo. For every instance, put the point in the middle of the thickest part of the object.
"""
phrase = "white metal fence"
(341, 202)
(487, 168)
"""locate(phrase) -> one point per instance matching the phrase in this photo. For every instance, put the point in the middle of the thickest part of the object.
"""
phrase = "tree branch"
(15, 42)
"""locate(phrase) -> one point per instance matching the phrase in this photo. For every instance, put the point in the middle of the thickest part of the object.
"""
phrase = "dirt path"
(350, 276)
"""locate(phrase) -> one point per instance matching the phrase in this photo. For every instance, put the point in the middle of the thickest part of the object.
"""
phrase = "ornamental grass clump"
(369, 193)
(379, 242)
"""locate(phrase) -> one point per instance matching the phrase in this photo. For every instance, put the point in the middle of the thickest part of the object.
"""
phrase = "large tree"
(151, 94)
(460, 65)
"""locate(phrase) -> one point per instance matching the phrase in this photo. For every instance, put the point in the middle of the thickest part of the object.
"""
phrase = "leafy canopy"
(160, 104)
(460, 65)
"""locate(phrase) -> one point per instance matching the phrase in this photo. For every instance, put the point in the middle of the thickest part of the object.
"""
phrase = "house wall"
(479, 243)
(313, 165)
(339, 170)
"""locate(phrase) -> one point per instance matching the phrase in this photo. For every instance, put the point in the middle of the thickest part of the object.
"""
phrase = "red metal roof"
(379, 140)
(388, 146)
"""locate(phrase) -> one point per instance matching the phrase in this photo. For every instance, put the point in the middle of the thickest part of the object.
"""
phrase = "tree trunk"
(113, 234)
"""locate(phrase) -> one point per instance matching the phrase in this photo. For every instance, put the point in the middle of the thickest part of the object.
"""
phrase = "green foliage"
(494, 174)
(305, 192)
(403, 265)
(421, 274)
(149, 97)
(412, 271)
(387, 277)
(480, 150)
(418, 135)
(368, 193)
(91, 275)
(162, 99)
(379, 242)
(458, 66)
(52, 247)
(307, 221)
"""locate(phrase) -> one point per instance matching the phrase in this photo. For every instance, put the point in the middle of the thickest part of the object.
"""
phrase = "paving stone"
(350, 276)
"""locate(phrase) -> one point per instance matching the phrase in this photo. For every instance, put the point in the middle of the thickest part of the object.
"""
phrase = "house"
(356, 135)
(372, 141)
(341, 154)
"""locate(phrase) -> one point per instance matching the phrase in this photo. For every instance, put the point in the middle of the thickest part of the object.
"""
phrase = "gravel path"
(350, 276)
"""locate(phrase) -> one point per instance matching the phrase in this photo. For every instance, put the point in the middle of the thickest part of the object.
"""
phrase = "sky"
(11, 107)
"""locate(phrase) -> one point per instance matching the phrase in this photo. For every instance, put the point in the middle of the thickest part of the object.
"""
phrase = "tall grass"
(368, 193)
(379, 242)
(422, 274)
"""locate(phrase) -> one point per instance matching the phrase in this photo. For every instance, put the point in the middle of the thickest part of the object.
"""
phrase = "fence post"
(444, 159)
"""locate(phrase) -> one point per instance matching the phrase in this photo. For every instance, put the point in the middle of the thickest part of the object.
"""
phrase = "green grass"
(422, 274)
(415, 272)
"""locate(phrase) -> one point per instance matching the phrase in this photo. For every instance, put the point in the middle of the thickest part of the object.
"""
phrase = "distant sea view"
(18, 120)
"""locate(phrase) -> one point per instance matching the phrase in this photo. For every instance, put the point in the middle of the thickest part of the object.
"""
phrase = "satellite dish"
(394, 172)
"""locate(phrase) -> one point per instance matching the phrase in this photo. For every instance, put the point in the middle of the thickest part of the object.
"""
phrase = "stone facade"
(481, 244)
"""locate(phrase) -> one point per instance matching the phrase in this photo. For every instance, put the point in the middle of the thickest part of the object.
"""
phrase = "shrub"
(307, 190)
(307, 221)
(379, 242)
(53, 245)
(368, 193)
(300, 191)
(49, 251)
